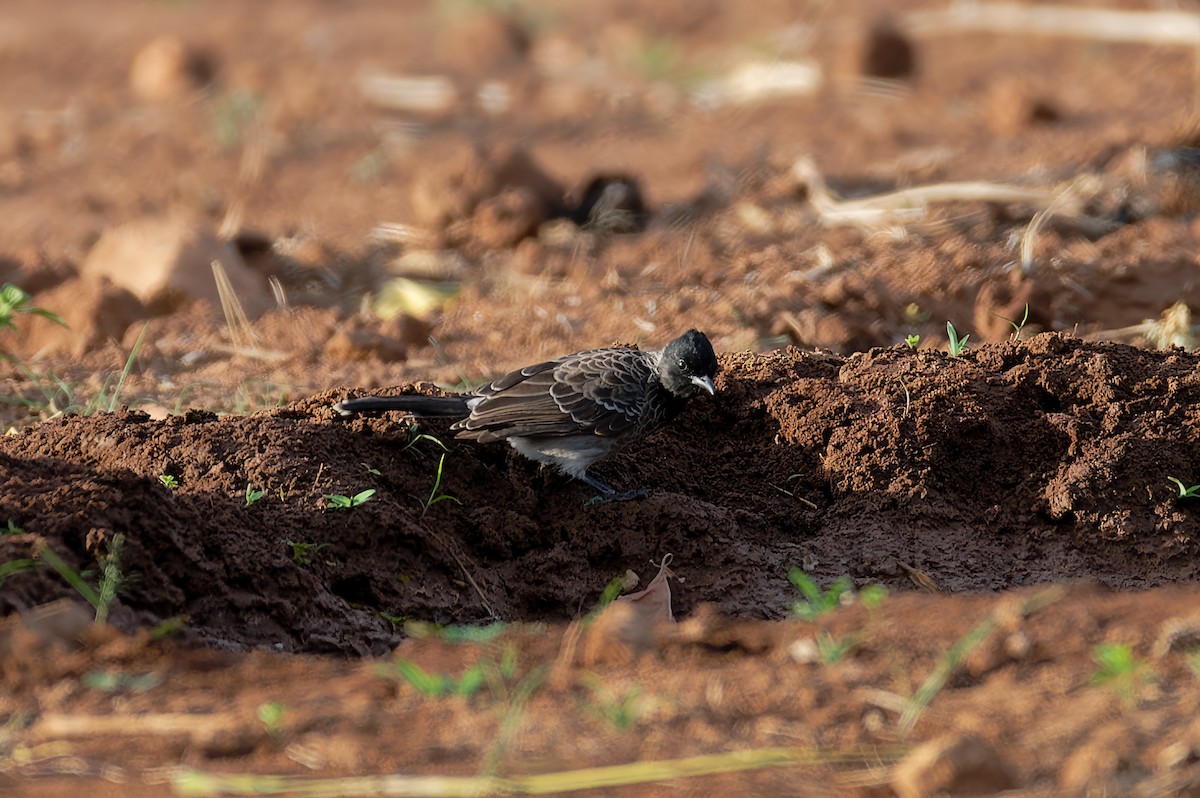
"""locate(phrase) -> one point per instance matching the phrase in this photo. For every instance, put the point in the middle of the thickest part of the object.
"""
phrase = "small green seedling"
(833, 650)
(434, 495)
(439, 685)
(455, 633)
(416, 437)
(11, 528)
(1185, 492)
(271, 714)
(957, 345)
(169, 627)
(1017, 326)
(914, 315)
(302, 552)
(817, 602)
(912, 340)
(341, 502)
(14, 567)
(13, 300)
(373, 471)
(253, 494)
(118, 682)
(1193, 661)
(101, 597)
(168, 481)
(620, 712)
(873, 596)
(1119, 670)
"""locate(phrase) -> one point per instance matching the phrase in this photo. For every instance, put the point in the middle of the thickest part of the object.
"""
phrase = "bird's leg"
(607, 492)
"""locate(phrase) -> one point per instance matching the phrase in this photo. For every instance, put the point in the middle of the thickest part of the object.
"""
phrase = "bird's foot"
(608, 493)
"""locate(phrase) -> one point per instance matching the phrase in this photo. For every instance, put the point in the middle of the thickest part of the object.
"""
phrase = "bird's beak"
(706, 383)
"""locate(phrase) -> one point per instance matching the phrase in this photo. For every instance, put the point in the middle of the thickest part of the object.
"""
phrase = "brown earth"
(575, 178)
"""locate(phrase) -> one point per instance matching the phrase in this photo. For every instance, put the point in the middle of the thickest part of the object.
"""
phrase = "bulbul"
(571, 412)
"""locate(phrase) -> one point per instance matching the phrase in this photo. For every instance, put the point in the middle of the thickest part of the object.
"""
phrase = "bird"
(570, 412)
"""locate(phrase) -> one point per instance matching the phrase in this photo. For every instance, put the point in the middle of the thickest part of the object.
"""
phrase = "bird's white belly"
(571, 455)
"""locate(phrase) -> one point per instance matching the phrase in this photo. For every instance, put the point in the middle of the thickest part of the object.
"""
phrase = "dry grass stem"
(1150, 27)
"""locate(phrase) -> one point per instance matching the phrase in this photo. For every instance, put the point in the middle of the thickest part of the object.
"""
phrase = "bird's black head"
(688, 365)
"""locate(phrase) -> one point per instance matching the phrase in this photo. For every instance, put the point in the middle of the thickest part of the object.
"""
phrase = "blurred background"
(442, 190)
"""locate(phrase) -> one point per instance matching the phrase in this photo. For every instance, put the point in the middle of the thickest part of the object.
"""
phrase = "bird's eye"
(682, 365)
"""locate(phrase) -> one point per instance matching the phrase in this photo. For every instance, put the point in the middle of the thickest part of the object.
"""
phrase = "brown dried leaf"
(653, 604)
(921, 579)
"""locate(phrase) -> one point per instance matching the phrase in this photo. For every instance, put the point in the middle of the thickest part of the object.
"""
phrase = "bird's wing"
(601, 392)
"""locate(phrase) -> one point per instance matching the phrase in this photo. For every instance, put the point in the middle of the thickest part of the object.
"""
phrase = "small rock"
(166, 69)
(166, 262)
(955, 764)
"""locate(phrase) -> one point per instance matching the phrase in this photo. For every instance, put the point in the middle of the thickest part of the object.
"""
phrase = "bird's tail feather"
(424, 406)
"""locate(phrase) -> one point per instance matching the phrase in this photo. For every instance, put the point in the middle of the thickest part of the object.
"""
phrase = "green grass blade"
(73, 579)
(137, 345)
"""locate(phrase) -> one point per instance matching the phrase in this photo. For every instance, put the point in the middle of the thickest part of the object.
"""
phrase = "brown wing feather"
(601, 392)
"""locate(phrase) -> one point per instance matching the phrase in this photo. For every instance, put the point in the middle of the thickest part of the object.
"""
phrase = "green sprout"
(957, 345)
(434, 495)
(341, 502)
(620, 712)
(833, 650)
(817, 602)
(1017, 326)
(1119, 670)
(101, 597)
(14, 567)
(439, 685)
(271, 714)
(912, 340)
(253, 494)
(168, 481)
(11, 528)
(1192, 492)
(302, 552)
(373, 471)
(13, 300)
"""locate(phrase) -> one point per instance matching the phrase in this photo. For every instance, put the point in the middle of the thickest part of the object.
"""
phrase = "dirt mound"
(1014, 464)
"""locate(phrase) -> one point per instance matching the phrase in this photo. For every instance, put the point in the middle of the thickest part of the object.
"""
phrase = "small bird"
(571, 412)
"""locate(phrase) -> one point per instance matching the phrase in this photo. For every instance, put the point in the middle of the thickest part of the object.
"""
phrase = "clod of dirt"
(94, 310)
(888, 52)
(360, 339)
(1010, 104)
(167, 69)
(955, 764)
(610, 204)
(454, 185)
(501, 221)
(167, 262)
(483, 42)
(1108, 760)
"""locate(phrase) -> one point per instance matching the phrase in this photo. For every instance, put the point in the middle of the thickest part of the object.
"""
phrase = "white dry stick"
(434, 94)
(1151, 27)
(908, 205)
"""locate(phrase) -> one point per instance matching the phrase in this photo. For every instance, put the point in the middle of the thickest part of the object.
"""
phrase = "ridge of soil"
(1015, 464)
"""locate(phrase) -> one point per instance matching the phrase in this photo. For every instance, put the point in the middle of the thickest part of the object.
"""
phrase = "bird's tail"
(423, 406)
